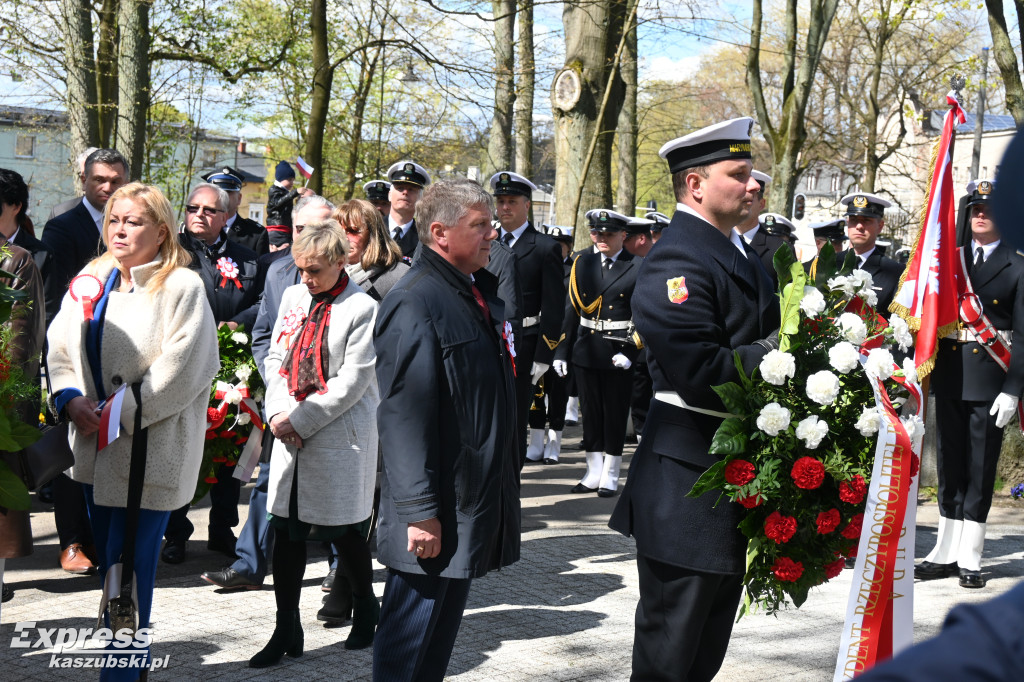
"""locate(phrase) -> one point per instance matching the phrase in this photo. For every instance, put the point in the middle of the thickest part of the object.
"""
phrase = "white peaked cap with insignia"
(762, 178)
(377, 189)
(558, 231)
(980, 191)
(507, 182)
(410, 172)
(865, 204)
(660, 219)
(775, 219)
(718, 142)
(605, 219)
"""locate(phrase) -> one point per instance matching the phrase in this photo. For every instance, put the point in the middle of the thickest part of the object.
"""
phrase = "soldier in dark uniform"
(829, 231)
(600, 290)
(244, 231)
(974, 399)
(233, 282)
(865, 218)
(539, 263)
(639, 242)
(701, 299)
(763, 242)
(407, 182)
(377, 193)
(661, 221)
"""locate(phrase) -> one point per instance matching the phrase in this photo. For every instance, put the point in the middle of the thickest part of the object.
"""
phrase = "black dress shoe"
(174, 551)
(533, 461)
(605, 492)
(548, 460)
(926, 570)
(328, 582)
(971, 579)
(8, 593)
(230, 579)
(579, 489)
(225, 544)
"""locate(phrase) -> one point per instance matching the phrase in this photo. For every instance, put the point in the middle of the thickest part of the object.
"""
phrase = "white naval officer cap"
(980, 191)
(763, 179)
(606, 220)
(726, 140)
(560, 232)
(410, 172)
(865, 204)
(377, 190)
(509, 183)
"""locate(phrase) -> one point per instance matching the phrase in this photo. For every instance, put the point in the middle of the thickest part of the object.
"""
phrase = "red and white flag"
(927, 296)
(110, 419)
(304, 168)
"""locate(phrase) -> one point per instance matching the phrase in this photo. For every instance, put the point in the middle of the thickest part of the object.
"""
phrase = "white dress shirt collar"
(516, 234)
(97, 216)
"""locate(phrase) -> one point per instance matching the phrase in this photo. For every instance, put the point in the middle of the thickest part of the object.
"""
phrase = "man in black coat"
(449, 509)
(539, 261)
(865, 218)
(407, 182)
(599, 346)
(702, 297)
(755, 234)
(974, 399)
(234, 283)
(244, 231)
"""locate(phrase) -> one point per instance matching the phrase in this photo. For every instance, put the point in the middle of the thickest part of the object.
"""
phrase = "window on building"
(834, 184)
(256, 212)
(812, 181)
(209, 157)
(25, 147)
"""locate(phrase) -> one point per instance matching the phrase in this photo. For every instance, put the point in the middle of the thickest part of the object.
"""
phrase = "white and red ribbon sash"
(880, 610)
(85, 289)
(228, 271)
(110, 419)
(246, 404)
(250, 456)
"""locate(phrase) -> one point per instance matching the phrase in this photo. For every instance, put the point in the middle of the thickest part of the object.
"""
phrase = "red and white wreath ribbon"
(510, 344)
(228, 271)
(293, 321)
(85, 289)
(229, 394)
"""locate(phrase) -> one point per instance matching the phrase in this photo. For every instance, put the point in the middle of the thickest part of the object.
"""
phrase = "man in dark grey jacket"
(450, 491)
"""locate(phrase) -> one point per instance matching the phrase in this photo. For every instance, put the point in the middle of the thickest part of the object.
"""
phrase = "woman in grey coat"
(375, 260)
(321, 403)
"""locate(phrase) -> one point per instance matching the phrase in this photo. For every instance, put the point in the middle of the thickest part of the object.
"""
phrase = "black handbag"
(47, 458)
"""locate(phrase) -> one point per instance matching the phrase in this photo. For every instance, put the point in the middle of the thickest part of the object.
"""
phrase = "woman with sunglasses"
(375, 260)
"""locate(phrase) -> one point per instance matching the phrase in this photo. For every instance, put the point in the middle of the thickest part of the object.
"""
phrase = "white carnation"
(777, 366)
(258, 395)
(914, 426)
(843, 357)
(862, 280)
(854, 329)
(879, 363)
(901, 333)
(845, 284)
(910, 370)
(823, 387)
(239, 337)
(773, 419)
(813, 302)
(870, 297)
(244, 418)
(233, 396)
(243, 372)
(868, 422)
(811, 431)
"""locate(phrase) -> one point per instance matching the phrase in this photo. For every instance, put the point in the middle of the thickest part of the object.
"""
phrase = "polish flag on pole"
(304, 168)
(110, 419)
(927, 295)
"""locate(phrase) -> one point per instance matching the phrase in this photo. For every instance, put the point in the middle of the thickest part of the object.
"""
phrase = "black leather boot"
(338, 605)
(366, 613)
(287, 639)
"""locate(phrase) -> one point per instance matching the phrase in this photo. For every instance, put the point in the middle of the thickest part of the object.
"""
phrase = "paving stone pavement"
(563, 612)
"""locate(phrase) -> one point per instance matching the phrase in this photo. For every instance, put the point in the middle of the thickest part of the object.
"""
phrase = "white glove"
(621, 361)
(538, 371)
(1003, 408)
(561, 367)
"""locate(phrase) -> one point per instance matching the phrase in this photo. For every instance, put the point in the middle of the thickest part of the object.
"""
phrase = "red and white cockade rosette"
(510, 343)
(293, 321)
(85, 289)
(228, 271)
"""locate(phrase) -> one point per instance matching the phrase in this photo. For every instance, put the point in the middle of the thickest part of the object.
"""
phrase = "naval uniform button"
(591, 331)
(995, 301)
(975, 351)
(954, 346)
(610, 307)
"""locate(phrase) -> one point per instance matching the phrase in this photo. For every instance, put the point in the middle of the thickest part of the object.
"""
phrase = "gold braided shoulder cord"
(574, 295)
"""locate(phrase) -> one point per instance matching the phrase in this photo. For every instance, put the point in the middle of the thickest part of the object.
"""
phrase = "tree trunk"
(362, 94)
(626, 129)
(499, 143)
(524, 92)
(80, 95)
(1006, 59)
(133, 83)
(323, 79)
(106, 73)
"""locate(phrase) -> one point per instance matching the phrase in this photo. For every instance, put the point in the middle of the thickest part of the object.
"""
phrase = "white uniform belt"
(603, 325)
(966, 335)
(531, 321)
(673, 398)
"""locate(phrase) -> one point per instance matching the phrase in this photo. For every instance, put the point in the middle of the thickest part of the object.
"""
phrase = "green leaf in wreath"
(13, 493)
(733, 397)
(745, 381)
(825, 265)
(849, 263)
(711, 479)
(731, 438)
(783, 261)
(799, 592)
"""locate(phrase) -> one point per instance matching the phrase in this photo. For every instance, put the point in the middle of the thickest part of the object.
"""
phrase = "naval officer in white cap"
(760, 240)
(865, 218)
(407, 182)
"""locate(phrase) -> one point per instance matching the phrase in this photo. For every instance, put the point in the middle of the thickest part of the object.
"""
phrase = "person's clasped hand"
(621, 361)
(82, 411)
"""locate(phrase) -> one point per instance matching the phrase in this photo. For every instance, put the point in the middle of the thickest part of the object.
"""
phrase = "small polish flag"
(304, 168)
(110, 419)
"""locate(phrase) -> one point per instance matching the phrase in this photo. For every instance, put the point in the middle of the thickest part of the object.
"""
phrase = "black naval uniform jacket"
(249, 234)
(505, 267)
(965, 371)
(885, 275)
(765, 245)
(447, 422)
(409, 241)
(229, 303)
(723, 304)
(588, 347)
(539, 259)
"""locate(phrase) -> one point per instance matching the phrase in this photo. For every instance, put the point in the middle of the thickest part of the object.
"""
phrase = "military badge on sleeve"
(677, 292)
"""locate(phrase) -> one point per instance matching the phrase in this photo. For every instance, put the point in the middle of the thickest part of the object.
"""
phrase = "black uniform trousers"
(224, 496)
(70, 513)
(683, 622)
(526, 349)
(556, 393)
(604, 402)
(968, 452)
(643, 392)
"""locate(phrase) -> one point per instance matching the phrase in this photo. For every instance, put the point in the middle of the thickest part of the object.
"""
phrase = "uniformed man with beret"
(702, 299)
(865, 218)
(377, 193)
(407, 182)
(539, 265)
(976, 394)
(244, 231)
(597, 328)
(758, 238)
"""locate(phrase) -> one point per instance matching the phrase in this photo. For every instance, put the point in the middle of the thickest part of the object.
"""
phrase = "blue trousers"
(108, 531)
(256, 539)
(419, 620)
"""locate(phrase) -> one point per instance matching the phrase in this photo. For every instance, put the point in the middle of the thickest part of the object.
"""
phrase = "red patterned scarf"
(307, 359)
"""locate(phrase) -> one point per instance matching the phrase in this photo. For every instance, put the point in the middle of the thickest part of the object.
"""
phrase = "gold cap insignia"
(985, 187)
(504, 178)
(860, 201)
(409, 168)
(769, 220)
(603, 215)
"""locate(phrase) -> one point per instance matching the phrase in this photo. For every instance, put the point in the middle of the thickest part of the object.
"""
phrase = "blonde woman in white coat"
(149, 323)
(322, 407)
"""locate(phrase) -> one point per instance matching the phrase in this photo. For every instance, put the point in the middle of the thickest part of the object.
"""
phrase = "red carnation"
(835, 568)
(808, 473)
(751, 501)
(739, 472)
(227, 434)
(210, 479)
(779, 528)
(915, 464)
(787, 570)
(852, 552)
(828, 521)
(220, 459)
(240, 440)
(211, 434)
(852, 531)
(214, 417)
(854, 490)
